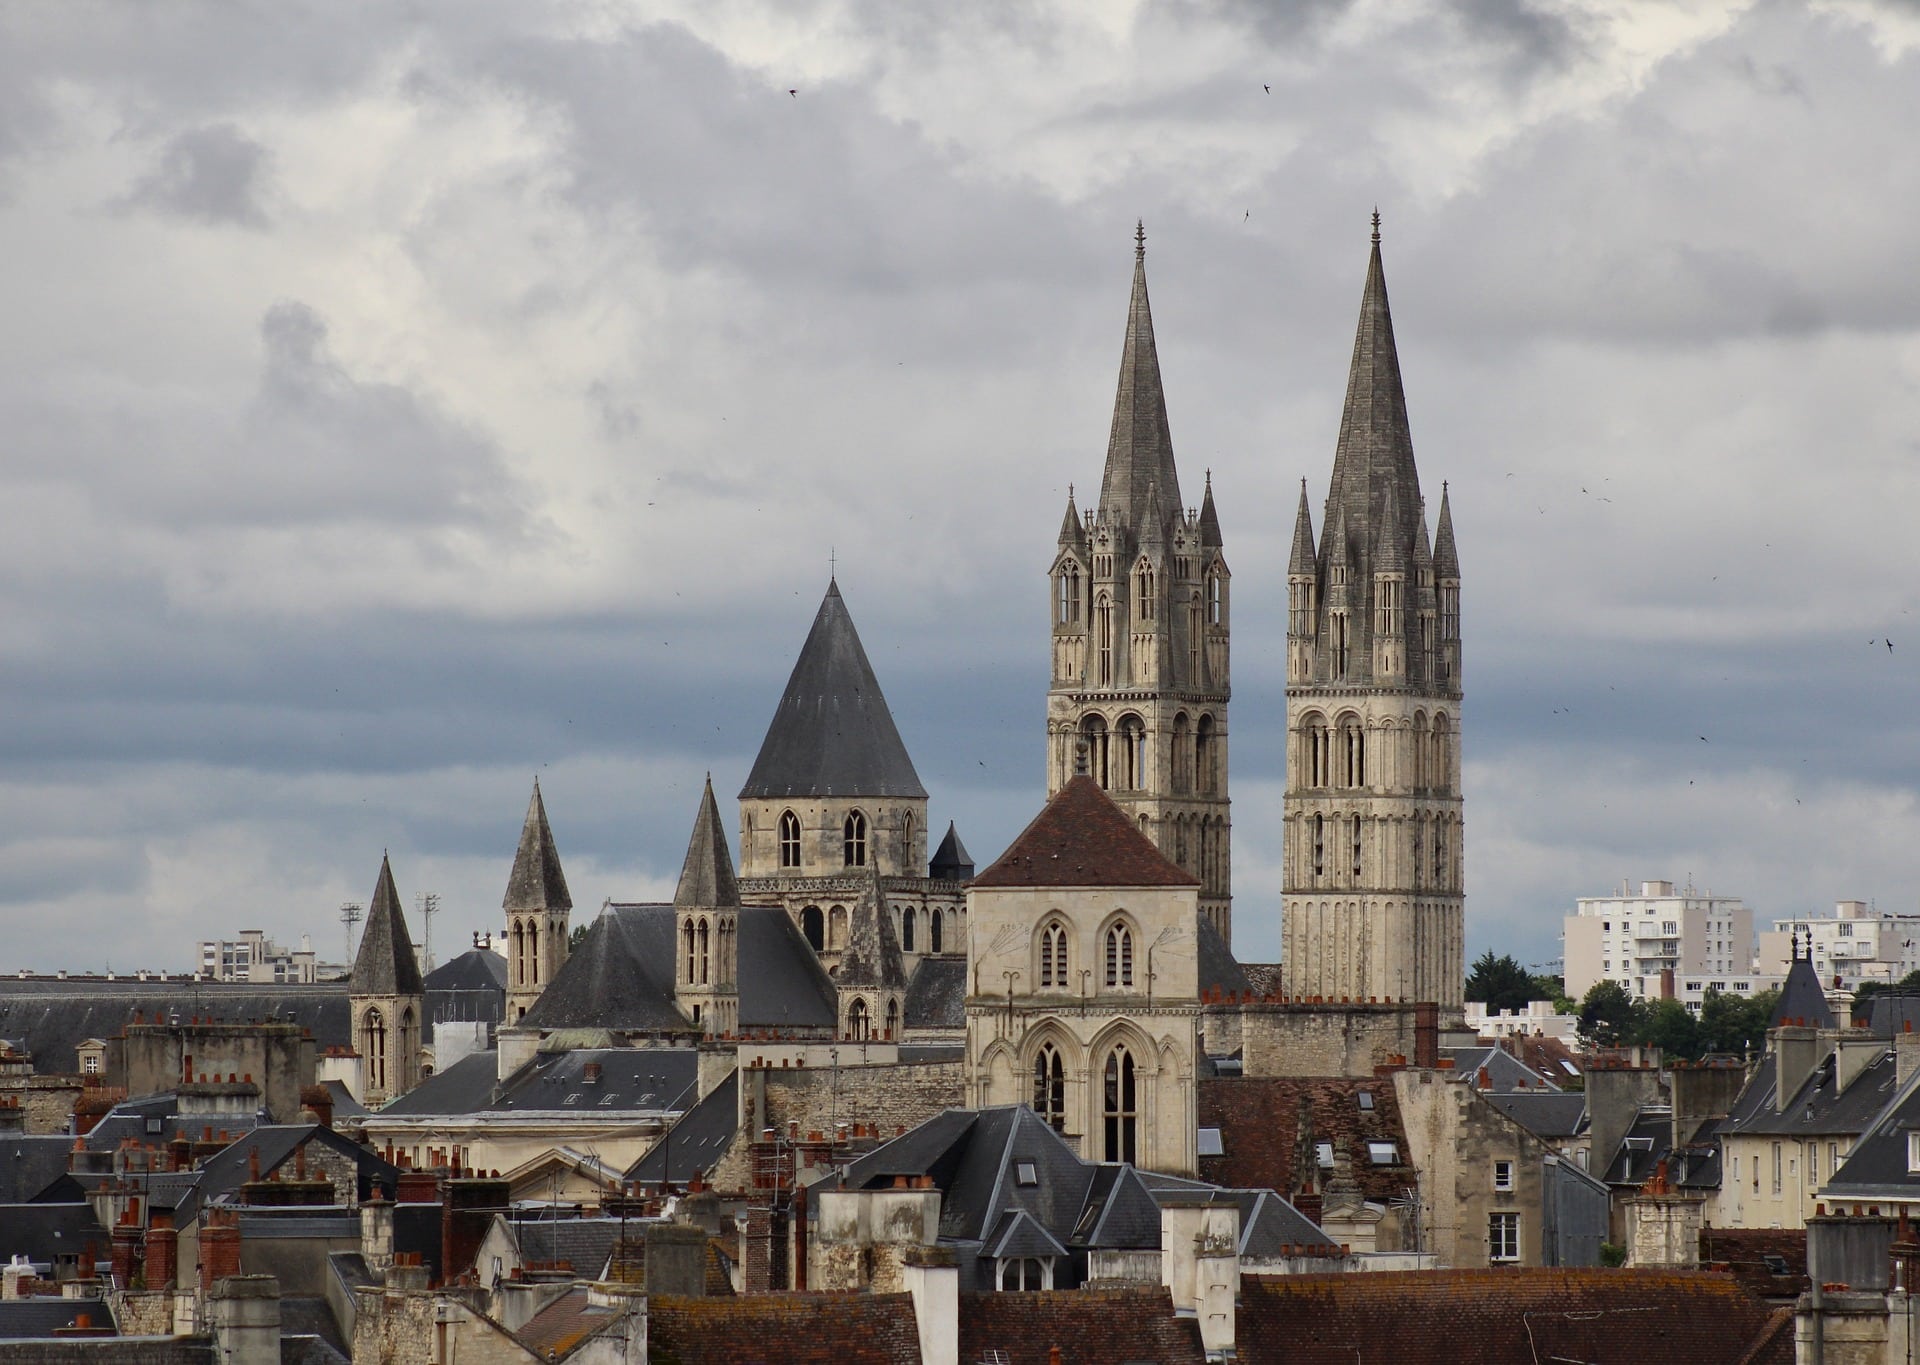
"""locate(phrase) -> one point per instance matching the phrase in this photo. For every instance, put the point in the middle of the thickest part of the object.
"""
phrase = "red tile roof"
(1502, 1317)
(1743, 1251)
(783, 1329)
(1259, 1123)
(1080, 838)
(1090, 1326)
(562, 1325)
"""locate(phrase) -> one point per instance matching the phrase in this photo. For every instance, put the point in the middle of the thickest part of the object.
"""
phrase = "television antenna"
(351, 914)
(427, 903)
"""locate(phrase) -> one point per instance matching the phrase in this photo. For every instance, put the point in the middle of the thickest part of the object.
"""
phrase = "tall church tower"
(1374, 902)
(537, 907)
(1140, 634)
(386, 998)
(706, 926)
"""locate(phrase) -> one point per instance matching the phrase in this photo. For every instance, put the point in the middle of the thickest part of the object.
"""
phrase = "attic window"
(1026, 1173)
(1913, 1151)
(1569, 1067)
(1210, 1144)
(608, 1099)
(155, 1125)
(1640, 1144)
(574, 1098)
(1382, 1153)
(1323, 1154)
(1365, 1100)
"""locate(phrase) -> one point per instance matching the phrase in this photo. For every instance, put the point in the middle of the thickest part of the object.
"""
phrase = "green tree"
(1500, 981)
(1729, 1023)
(1609, 1016)
(1671, 1027)
(1548, 988)
(577, 937)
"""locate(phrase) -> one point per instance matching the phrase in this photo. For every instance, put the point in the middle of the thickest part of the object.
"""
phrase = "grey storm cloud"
(215, 174)
(512, 431)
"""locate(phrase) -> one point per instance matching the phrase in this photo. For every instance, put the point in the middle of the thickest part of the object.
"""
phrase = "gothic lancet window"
(705, 937)
(1053, 956)
(855, 839)
(1069, 600)
(373, 1046)
(859, 1023)
(814, 925)
(1357, 828)
(1050, 1088)
(1206, 763)
(934, 930)
(1339, 642)
(686, 952)
(1319, 846)
(1216, 599)
(906, 930)
(789, 839)
(1120, 1107)
(1119, 956)
(1103, 640)
(893, 1019)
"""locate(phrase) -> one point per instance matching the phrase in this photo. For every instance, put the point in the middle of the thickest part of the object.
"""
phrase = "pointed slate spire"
(951, 862)
(1335, 544)
(1209, 519)
(832, 734)
(1389, 546)
(1422, 547)
(1140, 446)
(1446, 560)
(871, 956)
(706, 877)
(536, 882)
(385, 964)
(1301, 564)
(1375, 449)
(1152, 526)
(1073, 531)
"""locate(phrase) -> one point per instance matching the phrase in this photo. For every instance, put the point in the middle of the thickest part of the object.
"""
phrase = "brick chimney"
(163, 1250)
(126, 1250)
(219, 1247)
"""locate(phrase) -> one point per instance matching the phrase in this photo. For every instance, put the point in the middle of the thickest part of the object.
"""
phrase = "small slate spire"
(1301, 564)
(951, 862)
(1152, 528)
(706, 877)
(1446, 560)
(1389, 545)
(536, 882)
(385, 964)
(1073, 531)
(1209, 519)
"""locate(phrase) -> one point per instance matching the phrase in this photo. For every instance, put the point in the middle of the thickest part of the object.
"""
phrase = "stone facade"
(537, 907)
(1141, 635)
(861, 1239)
(1373, 853)
(820, 1099)
(1325, 1039)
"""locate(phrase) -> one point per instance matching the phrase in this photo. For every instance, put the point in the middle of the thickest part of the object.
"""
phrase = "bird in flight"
(794, 93)
(1267, 88)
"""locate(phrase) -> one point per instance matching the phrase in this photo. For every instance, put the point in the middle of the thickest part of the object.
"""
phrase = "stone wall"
(1293, 1039)
(860, 1237)
(143, 1313)
(817, 1100)
(392, 1329)
(47, 1101)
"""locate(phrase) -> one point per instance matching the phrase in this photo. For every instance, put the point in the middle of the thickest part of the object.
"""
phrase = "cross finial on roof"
(1069, 492)
(1376, 225)
(1140, 239)
(833, 565)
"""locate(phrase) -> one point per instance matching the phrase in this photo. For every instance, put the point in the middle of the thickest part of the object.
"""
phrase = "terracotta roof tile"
(1745, 1252)
(783, 1329)
(1080, 838)
(1259, 1123)
(1502, 1317)
(1090, 1326)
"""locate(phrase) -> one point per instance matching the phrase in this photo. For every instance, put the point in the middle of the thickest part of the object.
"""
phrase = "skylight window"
(1210, 1144)
(1026, 1173)
(1323, 1153)
(574, 1098)
(1365, 1100)
(1382, 1153)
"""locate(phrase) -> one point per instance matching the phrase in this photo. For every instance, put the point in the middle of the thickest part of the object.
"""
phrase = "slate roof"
(385, 964)
(1504, 1071)
(937, 994)
(832, 734)
(1271, 1227)
(785, 1329)
(1089, 1326)
(536, 882)
(1080, 838)
(583, 1243)
(621, 975)
(1876, 1166)
(697, 1139)
(1752, 1255)
(1218, 970)
(951, 862)
(1499, 1317)
(1301, 562)
(29, 1319)
(311, 1317)
(1816, 1108)
(1140, 444)
(558, 1329)
(466, 1087)
(229, 1168)
(50, 1016)
(1547, 1114)
(1645, 1144)
(30, 1163)
(477, 969)
(1801, 999)
(1259, 1123)
(871, 955)
(642, 1079)
(42, 1232)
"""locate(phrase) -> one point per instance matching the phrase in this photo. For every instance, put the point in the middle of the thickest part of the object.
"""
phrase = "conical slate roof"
(536, 882)
(706, 877)
(1446, 560)
(1375, 449)
(951, 862)
(1302, 560)
(385, 964)
(1073, 531)
(1080, 838)
(872, 953)
(832, 734)
(1140, 446)
(1801, 999)
(1209, 518)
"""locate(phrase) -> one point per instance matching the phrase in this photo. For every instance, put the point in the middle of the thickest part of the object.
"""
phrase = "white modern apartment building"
(256, 958)
(1633, 938)
(1855, 944)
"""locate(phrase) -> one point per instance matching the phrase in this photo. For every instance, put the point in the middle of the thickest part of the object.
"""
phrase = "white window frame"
(1503, 1175)
(1503, 1237)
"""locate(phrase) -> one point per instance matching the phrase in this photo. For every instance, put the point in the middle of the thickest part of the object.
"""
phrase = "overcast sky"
(399, 401)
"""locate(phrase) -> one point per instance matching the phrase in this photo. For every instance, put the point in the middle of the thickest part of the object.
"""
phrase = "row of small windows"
(1330, 837)
(699, 941)
(827, 930)
(1119, 759)
(860, 1020)
(1069, 593)
(1336, 756)
(853, 839)
(524, 950)
(1055, 964)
